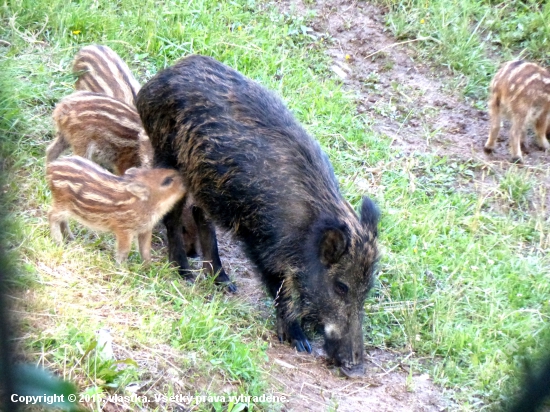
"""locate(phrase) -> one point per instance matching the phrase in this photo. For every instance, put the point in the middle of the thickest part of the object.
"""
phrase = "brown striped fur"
(100, 128)
(99, 69)
(127, 205)
(520, 91)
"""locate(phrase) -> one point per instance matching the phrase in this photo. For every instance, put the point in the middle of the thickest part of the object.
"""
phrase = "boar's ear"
(370, 215)
(334, 243)
(139, 190)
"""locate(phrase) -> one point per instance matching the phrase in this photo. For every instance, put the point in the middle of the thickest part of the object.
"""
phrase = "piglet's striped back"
(99, 69)
(101, 128)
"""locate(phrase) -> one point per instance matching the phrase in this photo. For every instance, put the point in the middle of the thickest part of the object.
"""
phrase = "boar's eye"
(341, 288)
(167, 181)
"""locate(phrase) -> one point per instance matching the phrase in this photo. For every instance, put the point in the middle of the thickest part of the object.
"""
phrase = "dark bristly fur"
(520, 91)
(100, 70)
(127, 205)
(253, 169)
(100, 128)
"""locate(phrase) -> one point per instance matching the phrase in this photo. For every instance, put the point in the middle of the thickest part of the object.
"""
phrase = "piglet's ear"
(370, 215)
(139, 190)
(333, 245)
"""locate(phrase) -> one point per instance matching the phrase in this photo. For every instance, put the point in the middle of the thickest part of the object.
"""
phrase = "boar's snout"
(346, 349)
(354, 372)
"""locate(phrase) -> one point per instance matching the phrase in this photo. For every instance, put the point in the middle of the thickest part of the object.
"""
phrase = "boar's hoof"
(353, 372)
(187, 274)
(293, 333)
(231, 287)
(223, 279)
(301, 345)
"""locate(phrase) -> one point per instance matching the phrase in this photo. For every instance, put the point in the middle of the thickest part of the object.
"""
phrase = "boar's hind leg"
(176, 250)
(209, 247)
(287, 327)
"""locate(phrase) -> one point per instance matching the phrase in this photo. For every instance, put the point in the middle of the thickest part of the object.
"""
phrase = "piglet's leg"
(55, 149)
(144, 242)
(57, 222)
(209, 247)
(67, 234)
(517, 136)
(541, 126)
(123, 245)
(494, 111)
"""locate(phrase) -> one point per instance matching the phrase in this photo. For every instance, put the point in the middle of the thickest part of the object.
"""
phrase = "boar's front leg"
(288, 325)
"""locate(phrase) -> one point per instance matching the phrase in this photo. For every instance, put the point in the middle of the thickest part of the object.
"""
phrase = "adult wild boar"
(252, 169)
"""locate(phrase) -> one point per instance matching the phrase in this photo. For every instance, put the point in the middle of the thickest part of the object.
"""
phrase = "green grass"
(517, 186)
(478, 280)
(464, 275)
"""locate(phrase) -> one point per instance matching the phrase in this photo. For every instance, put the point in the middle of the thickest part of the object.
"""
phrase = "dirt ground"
(413, 104)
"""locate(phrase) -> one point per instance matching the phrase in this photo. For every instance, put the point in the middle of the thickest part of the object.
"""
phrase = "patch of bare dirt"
(386, 387)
